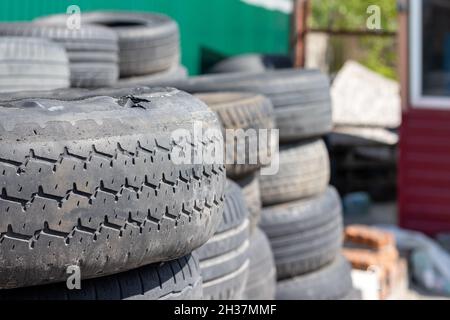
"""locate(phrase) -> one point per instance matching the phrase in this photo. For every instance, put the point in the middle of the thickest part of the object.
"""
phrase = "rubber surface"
(93, 183)
(179, 279)
(304, 171)
(251, 191)
(176, 72)
(252, 63)
(306, 234)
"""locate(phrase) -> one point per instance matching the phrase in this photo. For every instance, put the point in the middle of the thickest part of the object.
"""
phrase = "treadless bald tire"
(174, 280)
(93, 183)
(84, 47)
(304, 171)
(262, 276)
(301, 98)
(252, 196)
(148, 43)
(252, 63)
(32, 64)
(304, 235)
(332, 282)
(174, 73)
(246, 111)
(224, 258)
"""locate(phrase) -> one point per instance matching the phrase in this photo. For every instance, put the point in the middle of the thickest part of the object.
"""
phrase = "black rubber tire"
(304, 171)
(301, 98)
(243, 111)
(32, 64)
(252, 63)
(304, 235)
(148, 42)
(88, 39)
(251, 191)
(178, 279)
(262, 275)
(224, 258)
(175, 73)
(92, 183)
(332, 282)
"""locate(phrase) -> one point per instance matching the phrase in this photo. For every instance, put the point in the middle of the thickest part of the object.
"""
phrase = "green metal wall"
(226, 27)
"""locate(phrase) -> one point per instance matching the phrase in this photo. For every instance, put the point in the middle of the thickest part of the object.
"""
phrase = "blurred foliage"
(377, 53)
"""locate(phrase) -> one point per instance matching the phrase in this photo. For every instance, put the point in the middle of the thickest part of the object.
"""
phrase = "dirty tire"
(252, 63)
(332, 282)
(32, 64)
(177, 72)
(301, 98)
(88, 40)
(148, 42)
(178, 279)
(305, 234)
(304, 171)
(224, 258)
(262, 276)
(243, 111)
(91, 183)
(252, 196)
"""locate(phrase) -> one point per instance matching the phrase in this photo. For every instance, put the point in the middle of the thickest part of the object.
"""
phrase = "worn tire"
(243, 111)
(252, 63)
(177, 72)
(91, 183)
(32, 64)
(90, 40)
(224, 258)
(250, 189)
(332, 282)
(304, 171)
(301, 98)
(304, 235)
(262, 275)
(178, 279)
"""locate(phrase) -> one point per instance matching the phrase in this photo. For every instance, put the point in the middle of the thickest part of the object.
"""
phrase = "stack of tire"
(89, 183)
(302, 215)
(239, 252)
(149, 44)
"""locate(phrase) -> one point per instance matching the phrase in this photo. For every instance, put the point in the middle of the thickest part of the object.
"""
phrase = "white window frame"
(418, 99)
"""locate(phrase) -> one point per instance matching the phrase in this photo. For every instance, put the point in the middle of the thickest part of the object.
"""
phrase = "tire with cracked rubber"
(332, 282)
(250, 189)
(32, 64)
(304, 171)
(92, 182)
(148, 42)
(301, 98)
(224, 258)
(85, 48)
(247, 111)
(262, 275)
(305, 234)
(178, 279)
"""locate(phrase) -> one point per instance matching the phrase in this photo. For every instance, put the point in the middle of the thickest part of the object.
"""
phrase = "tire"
(252, 63)
(148, 43)
(304, 235)
(92, 183)
(252, 196)
(332, 282)
(304, 171)
(89, 40)
(301, 98)
(173, 74)
(224, 258)
(262, 275)
(179, 279)
(32, 64)
(244, 111)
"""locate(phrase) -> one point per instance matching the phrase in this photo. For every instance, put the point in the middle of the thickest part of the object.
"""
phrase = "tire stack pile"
(89, 182)
(302, 216)
(149, 44)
